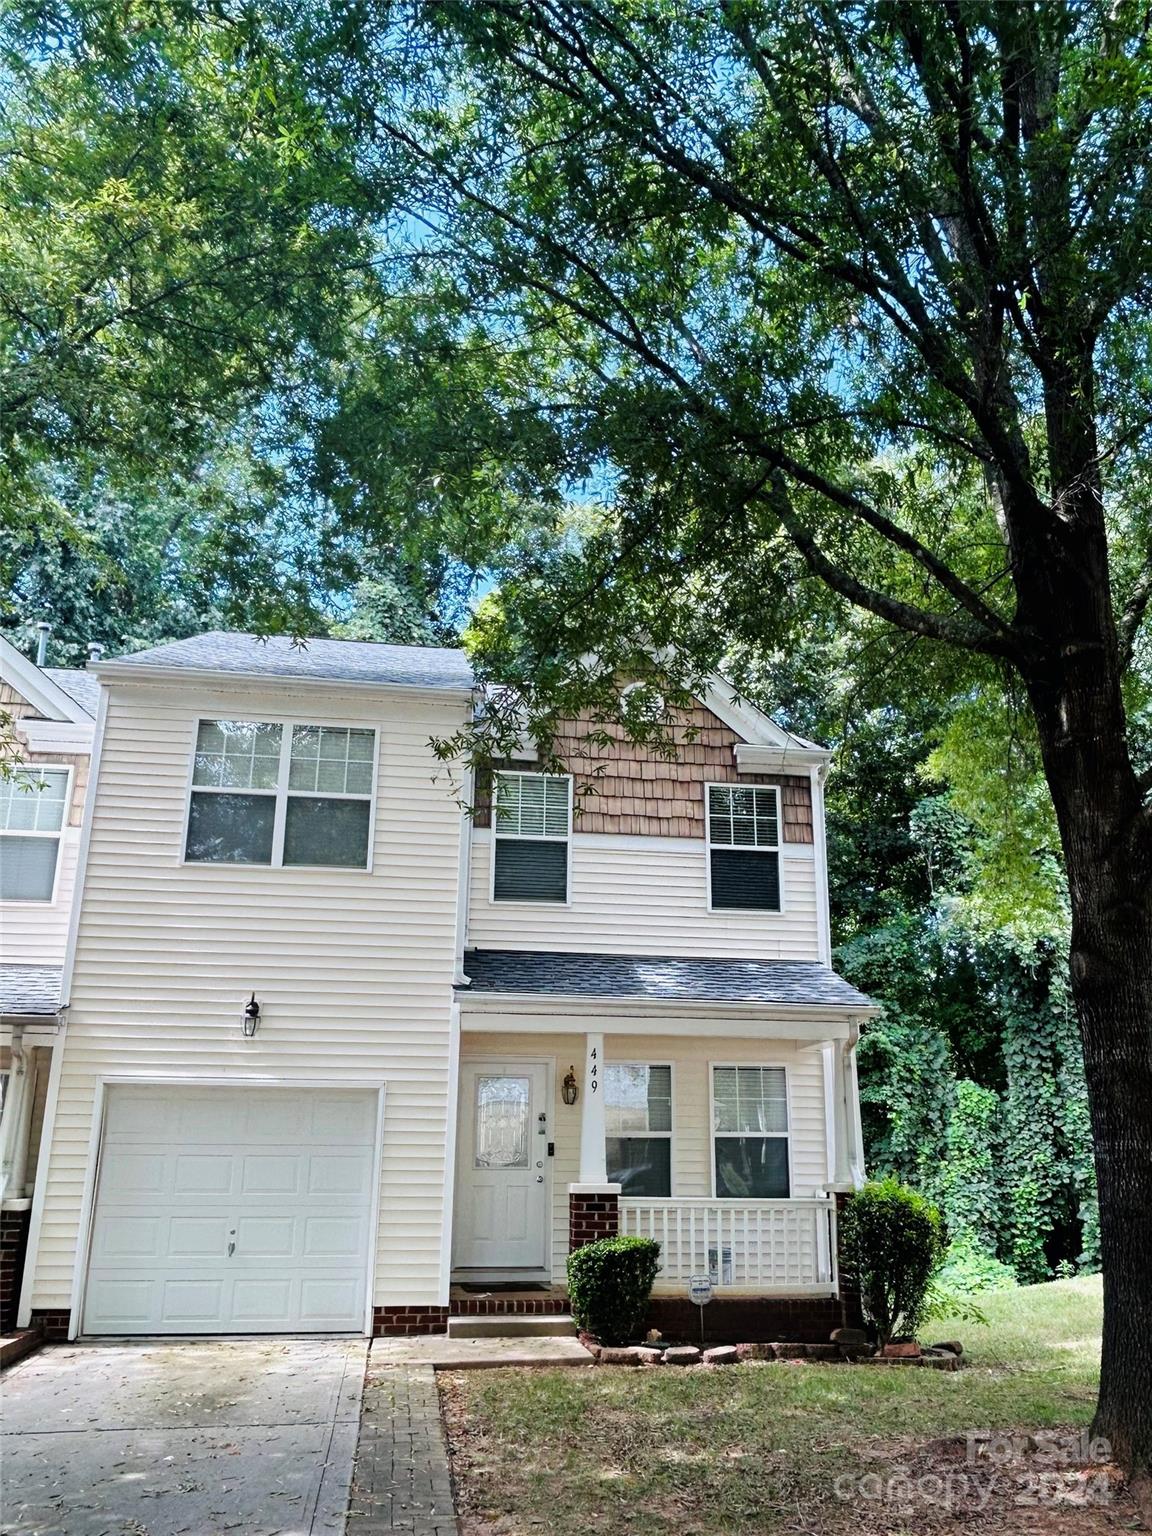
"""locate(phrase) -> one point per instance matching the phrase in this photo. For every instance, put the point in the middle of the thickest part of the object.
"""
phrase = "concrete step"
(512, 1325)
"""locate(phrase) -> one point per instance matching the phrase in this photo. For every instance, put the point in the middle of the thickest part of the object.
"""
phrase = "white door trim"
(196, 1080)
(513, 1272)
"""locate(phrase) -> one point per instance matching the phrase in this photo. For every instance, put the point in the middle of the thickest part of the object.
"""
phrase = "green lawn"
(759, 1448)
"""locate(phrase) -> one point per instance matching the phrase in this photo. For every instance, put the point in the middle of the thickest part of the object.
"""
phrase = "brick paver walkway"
(401, 1480)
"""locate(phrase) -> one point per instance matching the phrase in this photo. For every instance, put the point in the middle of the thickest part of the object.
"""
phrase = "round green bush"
(893, 1243)
(609, 1283)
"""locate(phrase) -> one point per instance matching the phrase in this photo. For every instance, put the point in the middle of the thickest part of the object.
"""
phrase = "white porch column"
(842, 1167)
(14, 1121)
(593, 1167)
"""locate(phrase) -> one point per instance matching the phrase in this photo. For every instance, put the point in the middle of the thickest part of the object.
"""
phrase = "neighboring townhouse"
(346, 1053)
(48, 716)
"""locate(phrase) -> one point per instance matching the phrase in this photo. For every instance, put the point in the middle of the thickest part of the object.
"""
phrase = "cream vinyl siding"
(646, 896)
(353, 970)
(691, 1126)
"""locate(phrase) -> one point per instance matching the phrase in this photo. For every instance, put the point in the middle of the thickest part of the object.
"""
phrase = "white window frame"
(516, 837)
(33, 771)
(280, 794)
(647, 1135)
(740, 912)
(776, 1066)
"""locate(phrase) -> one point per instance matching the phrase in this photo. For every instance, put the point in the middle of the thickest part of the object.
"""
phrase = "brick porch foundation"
(591, 1217)
(13, 1247)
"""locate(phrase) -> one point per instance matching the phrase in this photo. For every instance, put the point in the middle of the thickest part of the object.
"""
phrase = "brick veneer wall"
(387, 1321)
(591, 1217)
(13, 1247)
(53, 1323)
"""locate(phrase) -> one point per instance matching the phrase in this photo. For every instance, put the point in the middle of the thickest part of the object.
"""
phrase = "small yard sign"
(700, 1292)
(700, 1289)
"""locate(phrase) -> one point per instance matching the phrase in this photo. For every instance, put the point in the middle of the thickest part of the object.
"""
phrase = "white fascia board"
(35, 1028)
(836, 1021)
(756, 728)
(120, 672)
(58, 735)
(755, 758)
(38, 688)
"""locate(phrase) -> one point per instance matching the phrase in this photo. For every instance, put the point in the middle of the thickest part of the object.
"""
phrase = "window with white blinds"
(531, 825)
(750, 1132)
(33, 810)
(744, 847)
(638, 1127)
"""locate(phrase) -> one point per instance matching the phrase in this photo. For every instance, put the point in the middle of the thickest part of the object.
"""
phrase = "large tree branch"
(906, 616)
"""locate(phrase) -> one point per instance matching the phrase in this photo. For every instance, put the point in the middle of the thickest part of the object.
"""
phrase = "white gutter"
(124, 672)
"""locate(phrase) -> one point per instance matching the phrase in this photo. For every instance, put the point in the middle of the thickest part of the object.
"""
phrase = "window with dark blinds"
(530, 845)
(744, 847)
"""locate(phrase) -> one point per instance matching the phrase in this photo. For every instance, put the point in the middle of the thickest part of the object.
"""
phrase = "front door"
(502, 1169)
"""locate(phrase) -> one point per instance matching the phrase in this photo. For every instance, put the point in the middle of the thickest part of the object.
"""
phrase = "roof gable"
(40, 688)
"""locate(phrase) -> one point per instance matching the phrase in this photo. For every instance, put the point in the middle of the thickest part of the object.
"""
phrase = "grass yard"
(794, 1448)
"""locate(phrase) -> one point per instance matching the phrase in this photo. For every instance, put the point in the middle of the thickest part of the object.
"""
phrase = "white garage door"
(232, 1210)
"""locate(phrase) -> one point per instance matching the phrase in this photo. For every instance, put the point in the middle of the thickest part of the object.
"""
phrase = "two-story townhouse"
(344, 1053)
(49, 718)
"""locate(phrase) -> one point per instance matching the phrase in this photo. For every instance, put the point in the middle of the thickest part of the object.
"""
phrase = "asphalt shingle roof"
(30, 989)
(82, 686)
(672, 978)
(355, 661)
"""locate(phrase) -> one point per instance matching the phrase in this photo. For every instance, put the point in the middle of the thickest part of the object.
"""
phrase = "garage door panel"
(263, 1302)
(265, 1237)
(324, 1298)
(337, 1122)
(255, 1233)
(121, 1305)
(331, 1237)
(271, 1173)
(136, 1173)
(337, 1174)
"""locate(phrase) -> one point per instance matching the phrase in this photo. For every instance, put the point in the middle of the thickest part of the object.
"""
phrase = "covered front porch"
(723, 1129)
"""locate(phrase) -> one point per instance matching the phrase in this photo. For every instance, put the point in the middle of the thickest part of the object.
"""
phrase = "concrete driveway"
(182, 1438)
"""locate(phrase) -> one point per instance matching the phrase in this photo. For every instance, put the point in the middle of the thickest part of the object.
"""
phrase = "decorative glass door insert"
(503, 1115)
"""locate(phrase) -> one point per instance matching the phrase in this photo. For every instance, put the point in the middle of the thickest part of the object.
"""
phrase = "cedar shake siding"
(631, 790)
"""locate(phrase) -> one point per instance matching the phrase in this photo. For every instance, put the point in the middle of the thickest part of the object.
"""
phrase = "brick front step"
(504, 1306)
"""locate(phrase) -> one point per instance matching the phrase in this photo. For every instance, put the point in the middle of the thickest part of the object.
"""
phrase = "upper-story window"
(638, 1127)
(532, 821)
(744, 847)
(33, 809)
(267, 793)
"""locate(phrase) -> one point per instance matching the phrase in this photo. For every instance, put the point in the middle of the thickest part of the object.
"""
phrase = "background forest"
(947, 901)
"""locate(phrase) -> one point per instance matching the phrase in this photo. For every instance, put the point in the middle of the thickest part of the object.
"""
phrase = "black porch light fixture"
(251, 1017)
(570, 1088)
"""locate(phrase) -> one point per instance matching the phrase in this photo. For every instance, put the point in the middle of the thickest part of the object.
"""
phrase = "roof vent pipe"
(95, 650)
(43, 630)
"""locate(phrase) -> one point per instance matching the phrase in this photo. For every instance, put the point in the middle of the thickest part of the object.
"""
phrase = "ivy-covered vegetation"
(972, 1083)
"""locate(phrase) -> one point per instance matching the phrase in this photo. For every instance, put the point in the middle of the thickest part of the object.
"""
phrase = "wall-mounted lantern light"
(570, 1089)
(251, 1017)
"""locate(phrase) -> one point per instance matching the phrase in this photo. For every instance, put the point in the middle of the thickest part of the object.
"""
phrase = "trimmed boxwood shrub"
(609, 1283)
(894, 1243)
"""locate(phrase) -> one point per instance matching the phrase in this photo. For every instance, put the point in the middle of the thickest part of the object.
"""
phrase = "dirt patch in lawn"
(714, 1453)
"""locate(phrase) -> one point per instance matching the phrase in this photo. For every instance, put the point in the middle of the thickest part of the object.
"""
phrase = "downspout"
(820, 854)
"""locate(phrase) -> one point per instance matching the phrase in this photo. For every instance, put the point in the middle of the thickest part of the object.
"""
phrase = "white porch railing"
(764, 1245)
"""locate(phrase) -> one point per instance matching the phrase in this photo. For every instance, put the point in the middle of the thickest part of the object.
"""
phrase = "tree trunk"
(1107, 845)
